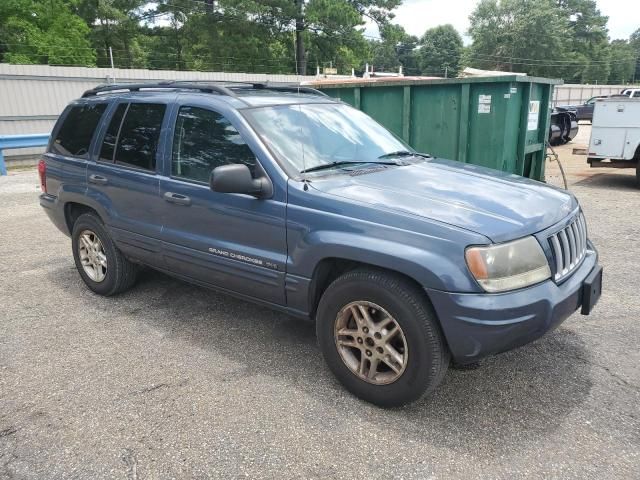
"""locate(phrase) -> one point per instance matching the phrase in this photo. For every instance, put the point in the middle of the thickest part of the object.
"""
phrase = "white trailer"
(615, 134)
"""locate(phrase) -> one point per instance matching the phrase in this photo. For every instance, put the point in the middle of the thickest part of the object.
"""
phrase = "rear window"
(74, 136)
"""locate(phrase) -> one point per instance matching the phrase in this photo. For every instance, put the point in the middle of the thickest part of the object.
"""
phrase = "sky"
(416, 16)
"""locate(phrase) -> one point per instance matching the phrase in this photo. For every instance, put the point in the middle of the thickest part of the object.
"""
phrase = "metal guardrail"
(20, 141)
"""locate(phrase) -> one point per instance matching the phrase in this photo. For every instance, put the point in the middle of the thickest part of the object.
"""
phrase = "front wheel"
(380, 337)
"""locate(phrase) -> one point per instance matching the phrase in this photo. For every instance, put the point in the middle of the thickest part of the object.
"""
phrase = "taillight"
(42, 171)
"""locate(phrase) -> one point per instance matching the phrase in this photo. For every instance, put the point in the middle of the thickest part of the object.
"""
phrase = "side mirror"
(236, 178)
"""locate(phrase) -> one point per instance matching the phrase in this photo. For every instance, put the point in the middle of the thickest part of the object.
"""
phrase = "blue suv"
(283, 196)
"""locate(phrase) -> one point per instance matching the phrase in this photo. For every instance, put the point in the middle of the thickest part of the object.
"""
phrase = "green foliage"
(623, 61)
(441, 51)
(588, 41)
(517, 35)
(397, 48)
(552, 38)
(634, 42)
(48, 32)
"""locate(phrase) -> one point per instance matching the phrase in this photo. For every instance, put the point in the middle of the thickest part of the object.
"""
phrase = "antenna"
(304, 159)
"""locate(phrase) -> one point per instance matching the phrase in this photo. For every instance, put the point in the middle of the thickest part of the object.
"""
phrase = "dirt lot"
(173, 381)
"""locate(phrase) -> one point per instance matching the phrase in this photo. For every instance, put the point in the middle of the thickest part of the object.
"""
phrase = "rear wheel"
(103, 268)
(380, 337)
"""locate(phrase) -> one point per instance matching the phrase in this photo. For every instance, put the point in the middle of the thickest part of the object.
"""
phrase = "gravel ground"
(173, 381)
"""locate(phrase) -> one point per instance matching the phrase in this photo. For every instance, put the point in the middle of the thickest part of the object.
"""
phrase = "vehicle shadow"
(610, 180)
(511, 398)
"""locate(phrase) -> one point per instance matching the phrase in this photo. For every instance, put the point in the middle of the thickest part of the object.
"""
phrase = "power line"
(477, 57)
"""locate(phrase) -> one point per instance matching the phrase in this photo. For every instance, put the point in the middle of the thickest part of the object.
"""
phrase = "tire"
(638, 174)
(379, 294)
(117, 274)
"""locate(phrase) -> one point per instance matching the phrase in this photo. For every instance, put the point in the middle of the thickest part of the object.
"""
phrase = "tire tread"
(412, 295)
(125, 271)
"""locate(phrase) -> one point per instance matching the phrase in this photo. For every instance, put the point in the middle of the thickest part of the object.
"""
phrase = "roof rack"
(288, 88)
(136, 87)
(219, 87)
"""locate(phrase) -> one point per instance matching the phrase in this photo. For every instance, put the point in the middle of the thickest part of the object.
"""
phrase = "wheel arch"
(329, 269)
(73, 210)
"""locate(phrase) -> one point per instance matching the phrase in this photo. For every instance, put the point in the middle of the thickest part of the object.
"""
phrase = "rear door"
(231, 241)
(68, 152)
(124, 179)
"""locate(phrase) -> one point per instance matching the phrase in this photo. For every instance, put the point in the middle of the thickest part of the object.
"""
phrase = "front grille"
(569, 246)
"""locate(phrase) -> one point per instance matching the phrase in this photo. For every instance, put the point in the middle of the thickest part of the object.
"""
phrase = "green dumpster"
(499, 122)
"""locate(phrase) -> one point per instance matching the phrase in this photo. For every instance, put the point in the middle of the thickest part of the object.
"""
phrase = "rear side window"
(204, 140)
(74, 136)
(111, 137)
(137, 140)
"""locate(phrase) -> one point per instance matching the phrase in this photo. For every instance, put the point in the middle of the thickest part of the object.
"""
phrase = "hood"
(498, 205)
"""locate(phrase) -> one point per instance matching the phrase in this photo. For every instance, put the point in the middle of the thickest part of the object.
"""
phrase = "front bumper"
(479, 324)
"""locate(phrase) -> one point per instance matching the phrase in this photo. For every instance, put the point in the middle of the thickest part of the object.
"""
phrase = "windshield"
(311, 135)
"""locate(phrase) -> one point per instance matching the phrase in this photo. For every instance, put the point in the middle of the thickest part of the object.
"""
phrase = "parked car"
(295, 201)
(585, 111)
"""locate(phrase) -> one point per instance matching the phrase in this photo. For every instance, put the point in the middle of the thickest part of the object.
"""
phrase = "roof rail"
(279, 86)
(136, 87)
(221, 87)
(288, 88)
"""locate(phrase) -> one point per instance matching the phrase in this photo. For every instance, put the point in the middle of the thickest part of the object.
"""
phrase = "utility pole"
(301, 61)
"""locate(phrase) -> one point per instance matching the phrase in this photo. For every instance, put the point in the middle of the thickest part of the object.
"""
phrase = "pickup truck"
(615, 134)
(285, 197)
(631, 92)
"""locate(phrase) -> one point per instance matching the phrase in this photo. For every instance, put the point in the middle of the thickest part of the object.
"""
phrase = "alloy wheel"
(93, 257)
(370, 342)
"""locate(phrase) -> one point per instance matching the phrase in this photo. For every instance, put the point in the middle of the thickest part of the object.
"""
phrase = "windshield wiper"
(327, 166)
(404, 153)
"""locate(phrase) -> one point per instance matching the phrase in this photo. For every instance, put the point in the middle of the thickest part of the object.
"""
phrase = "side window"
(74, 136)
(139, 135)
(204, 140)
(111, 137)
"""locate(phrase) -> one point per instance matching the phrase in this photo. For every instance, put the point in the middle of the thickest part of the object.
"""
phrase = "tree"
(440, 51)
(334, 24)
(226, 35)
(394, 49)
(518, 35)
(43, 32)
(634, 42)
(623, 61)
(556, 38)
(116, 24)
(588, 40)
(301, 60)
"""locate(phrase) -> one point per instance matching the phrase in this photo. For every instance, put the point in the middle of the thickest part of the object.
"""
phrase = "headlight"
(507, 266)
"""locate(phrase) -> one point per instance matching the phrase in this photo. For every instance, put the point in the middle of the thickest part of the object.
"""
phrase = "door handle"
(97, 179)
(177, 198)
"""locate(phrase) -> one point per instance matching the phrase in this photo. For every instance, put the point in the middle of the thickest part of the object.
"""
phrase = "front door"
(231, 241)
